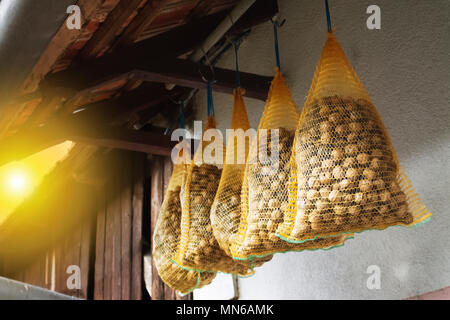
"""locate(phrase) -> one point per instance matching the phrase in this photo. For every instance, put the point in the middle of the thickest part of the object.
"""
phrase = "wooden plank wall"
(109, 245)
(118, 271)
(50, 269)
(38, 273)
(75, 250)
(160, 169)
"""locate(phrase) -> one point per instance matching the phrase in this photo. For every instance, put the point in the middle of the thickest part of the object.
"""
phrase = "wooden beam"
(26, 143)
(44, 109)
(103, 91)
(118, 111)
(92, 126)
(133, 140)
(181, 72)
(149, 96)
(110, 28)
(186, 73)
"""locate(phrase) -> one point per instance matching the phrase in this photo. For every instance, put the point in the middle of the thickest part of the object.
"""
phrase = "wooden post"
(126, 212)
(100, 246)
(157, 171)
(137, 276)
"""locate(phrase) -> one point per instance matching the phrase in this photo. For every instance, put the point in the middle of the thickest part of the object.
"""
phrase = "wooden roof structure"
(97, 85)
(117, 65)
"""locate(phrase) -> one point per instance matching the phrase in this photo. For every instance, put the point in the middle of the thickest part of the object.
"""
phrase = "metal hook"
(281, 22)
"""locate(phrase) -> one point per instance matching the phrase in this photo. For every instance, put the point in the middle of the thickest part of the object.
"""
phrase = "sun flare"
(18, 182)
(19, 179)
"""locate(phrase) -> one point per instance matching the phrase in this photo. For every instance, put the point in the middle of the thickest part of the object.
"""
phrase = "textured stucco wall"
(405, 67)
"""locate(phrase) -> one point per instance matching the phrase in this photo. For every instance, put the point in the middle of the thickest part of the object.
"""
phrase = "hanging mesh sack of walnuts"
(167, 236)
(198, 249)
(264, 195)
(226, 208)
(345, 175)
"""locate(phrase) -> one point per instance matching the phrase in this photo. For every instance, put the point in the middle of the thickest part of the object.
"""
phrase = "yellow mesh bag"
(264, 195)
(167, 236)
(345, 173)
(198, 249)
(226, 208)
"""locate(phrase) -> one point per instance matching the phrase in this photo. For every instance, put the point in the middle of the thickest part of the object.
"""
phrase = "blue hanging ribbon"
(182, 120)
(238, 75)
(210, 98)
(328, 16)
(277, 51)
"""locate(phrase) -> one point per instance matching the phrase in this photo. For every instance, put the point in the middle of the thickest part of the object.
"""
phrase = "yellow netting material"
(226, 208)
(345, 173)
(198, 249)
(264, 195)
(167, 236)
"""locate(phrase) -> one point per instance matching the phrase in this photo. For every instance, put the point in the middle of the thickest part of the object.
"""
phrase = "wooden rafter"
(201, 8)
(60, 42)
(63, 38)
(177, 71)
(91, 126)
(178, 41)
(170, 44)
(125, 139)
(148, 13)
(110, 28)
(138, 63)
(31, 141)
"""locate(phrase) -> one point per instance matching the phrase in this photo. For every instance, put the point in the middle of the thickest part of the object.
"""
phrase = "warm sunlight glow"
(18, 182)
(19, 179)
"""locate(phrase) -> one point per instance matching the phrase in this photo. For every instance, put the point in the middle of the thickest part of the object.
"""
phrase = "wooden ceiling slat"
(147, 14)
(111, 28)
(201, 8)
(42, 112)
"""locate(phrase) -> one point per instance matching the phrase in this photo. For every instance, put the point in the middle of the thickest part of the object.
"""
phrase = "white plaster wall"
(405, 67)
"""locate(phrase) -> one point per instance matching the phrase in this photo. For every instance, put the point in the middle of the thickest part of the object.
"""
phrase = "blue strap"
(277, 51)
(238, 75)
(182, 121)
(328, 15)
(210, 98)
